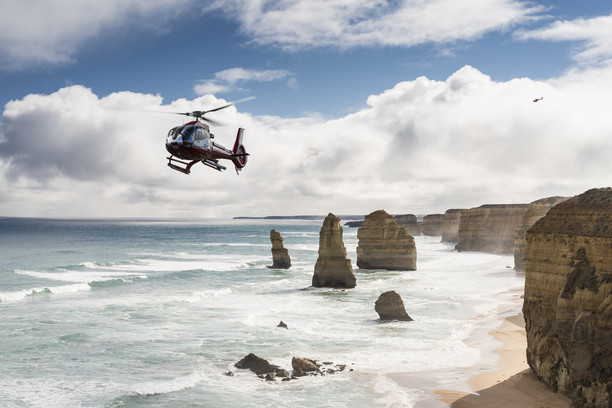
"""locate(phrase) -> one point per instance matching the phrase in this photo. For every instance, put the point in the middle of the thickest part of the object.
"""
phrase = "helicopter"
(192, 143)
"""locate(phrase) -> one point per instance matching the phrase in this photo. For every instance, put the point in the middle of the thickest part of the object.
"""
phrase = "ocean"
(155, 313)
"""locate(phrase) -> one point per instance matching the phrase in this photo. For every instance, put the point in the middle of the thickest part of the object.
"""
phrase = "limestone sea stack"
(490, 228)
(333, 268)
(568, 298)
(280, 254)
(390, 306)
(432, 224)
(384, 244)
(535, 211)
(410, 223)
(450, 225)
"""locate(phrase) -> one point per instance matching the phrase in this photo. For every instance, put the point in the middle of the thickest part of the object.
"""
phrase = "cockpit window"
(188, 133)
(175, 131)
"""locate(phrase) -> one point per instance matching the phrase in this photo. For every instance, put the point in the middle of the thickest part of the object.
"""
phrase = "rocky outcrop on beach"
(432, 225)
(280, 254)
(490, 228)
(384, 244)
(568, 298)
(410, 223)
(390, 306)
(333, 268)
(450, 225)
(535, 211)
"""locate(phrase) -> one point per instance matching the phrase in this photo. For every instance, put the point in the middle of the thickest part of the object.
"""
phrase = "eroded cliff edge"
(568, 298)
(535, 211)
(490, 228)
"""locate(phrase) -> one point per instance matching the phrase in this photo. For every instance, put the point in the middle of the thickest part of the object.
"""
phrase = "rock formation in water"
(432, 224)
(450, 225)
(490, 228)
(256, 364)
(280, 254)
(301, 367)
(333, 268)
(384, 244)
(568, 298)
(390, 306)
(535, 211)
(410, 223)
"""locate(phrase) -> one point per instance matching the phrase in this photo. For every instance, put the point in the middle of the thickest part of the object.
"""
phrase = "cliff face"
(384, 244)
(432, 224)
(409, 222)
(332, 269)
(490, 228)
(535, 211)
(450, 225)
(568, 298)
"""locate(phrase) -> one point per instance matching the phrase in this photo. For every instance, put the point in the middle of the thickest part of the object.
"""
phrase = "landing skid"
(187, 166)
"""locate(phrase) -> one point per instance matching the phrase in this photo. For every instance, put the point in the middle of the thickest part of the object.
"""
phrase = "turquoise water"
(98, 313)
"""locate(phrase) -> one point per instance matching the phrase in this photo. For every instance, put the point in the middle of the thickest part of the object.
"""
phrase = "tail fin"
(240, 155)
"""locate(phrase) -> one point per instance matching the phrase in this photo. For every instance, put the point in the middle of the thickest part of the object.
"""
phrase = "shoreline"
(511, 383)
(502, 378)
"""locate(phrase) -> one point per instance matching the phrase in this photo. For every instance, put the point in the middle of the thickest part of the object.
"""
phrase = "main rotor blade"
(229, 104)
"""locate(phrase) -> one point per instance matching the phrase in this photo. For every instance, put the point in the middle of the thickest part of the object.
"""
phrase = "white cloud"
(295, 24)
(233, 78)
(49, 33)
(422, 146)
(595, 34)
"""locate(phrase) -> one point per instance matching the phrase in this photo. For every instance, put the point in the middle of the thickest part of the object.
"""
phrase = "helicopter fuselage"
(193, 141)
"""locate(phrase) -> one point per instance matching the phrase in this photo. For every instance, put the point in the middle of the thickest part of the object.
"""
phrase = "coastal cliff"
(535, 211)
(333, 268)
(384, 244)
(450, 225)
(568, 298)
(410, 223)
(432, 224)
(490, 228)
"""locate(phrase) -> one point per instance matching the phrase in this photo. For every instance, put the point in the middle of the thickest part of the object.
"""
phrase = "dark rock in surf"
(283, 325)
(303, 366)
(390, 306)
(256, 364)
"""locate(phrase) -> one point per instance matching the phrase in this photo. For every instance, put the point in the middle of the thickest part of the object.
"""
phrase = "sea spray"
(154, 314)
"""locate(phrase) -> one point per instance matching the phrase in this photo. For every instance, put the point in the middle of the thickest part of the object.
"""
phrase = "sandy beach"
(505, 381)
(512, 383)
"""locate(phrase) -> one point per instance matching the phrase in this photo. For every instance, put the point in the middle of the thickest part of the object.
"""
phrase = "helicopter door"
(202, 139)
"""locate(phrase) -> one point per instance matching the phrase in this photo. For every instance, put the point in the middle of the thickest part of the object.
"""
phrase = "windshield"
(188, 133)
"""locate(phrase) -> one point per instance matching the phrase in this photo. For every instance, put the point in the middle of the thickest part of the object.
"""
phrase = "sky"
(408, 106)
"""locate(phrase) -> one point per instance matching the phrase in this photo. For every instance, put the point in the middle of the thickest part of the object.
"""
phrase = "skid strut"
(187, 165)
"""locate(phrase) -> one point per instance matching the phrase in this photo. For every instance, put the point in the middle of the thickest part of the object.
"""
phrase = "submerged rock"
(280, 254)
(390, 306)
(568, 298)
(333, 268)
(384, 244)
